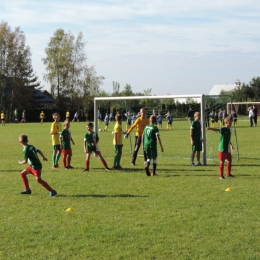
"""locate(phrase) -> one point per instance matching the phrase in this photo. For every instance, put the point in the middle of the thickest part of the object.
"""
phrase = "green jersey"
(89, 139)
(196, 130)
(224, 140)
(30, 155)
(150, 133)
(65, 139)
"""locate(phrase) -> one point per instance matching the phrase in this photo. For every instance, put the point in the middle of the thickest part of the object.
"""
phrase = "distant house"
(43, 99)
(216, 90)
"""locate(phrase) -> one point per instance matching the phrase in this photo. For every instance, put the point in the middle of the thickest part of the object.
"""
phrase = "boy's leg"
(25, 179)
(64, 159)
(154, 166)
(101, 159)
(228, 168)
(137, 146)
(69, 159)
(57, 157)
(221, 169)
(44, 183)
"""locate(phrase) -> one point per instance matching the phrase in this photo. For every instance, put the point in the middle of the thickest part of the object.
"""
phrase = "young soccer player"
(30, 156)
(55, 133)
(3, 118)
(65, 138)
(150, 138)
(128, 120)
(91, 145)
(225, 147)
(68, 115)
(169, 120)
(76, 117)
(23, 117)
(140, 123)
(106, 121)
(117, 141)
(42, 116)
(159, 120)
(195, 139)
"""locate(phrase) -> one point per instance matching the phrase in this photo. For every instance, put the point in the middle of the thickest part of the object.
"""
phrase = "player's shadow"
(102, 196)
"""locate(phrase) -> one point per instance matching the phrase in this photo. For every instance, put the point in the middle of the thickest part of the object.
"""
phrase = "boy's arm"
(143, 141)
(159, 140)
(85, 149)
(191, 136)
(43, 157)
(132, 126)
(115, 138)
(72, 140)
(213, 129)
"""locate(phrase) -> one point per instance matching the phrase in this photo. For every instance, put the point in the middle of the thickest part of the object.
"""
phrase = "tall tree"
(17, 79)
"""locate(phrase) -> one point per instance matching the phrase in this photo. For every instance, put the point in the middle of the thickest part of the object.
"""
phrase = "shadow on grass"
(102, 196)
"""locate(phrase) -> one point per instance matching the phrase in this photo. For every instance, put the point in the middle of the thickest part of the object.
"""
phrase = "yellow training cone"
(69, 209)
(228, 189)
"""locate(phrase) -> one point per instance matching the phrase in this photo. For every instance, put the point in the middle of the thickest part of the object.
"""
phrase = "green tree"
(17, 79)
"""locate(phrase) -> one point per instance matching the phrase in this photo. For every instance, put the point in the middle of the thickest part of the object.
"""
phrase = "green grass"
(184, 213)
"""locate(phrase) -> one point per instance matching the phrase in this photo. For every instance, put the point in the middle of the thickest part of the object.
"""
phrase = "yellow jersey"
(2, 116)
(56, 127)
(140, 123)
(118, 130)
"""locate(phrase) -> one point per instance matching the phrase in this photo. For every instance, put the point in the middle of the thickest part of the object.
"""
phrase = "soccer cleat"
(154, 174)
(53, 193)
(231, 176)
(147, 171)
(119, 167)
(85, 170)
(107, 169)
(199, 164)
(192, 164)
(54, 167)
(70, 167)
(221, 177)
(114, 168)
(26, 192)
(133, 163)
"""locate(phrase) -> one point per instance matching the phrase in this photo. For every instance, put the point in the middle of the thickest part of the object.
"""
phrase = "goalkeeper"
(140, 123)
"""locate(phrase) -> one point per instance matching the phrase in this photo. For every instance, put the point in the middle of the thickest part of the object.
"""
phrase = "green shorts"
(56, 147)
(118, 148)
(197, 146)
(151, 153)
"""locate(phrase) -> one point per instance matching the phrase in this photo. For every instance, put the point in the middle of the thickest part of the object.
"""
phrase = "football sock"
(64, 161)
(228, 168)
(221, 168)
(53, 159)
(147, 163)
(154, 167)
(25, 181)
(119, 158)
(44, 184)
(57, 157)
(69, 160)
(104, 163)
(87, 164)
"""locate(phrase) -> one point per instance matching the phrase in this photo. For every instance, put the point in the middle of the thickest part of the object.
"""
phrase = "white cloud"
(132, 40)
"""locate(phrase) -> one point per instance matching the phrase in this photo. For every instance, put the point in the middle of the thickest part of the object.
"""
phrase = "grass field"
(184, 213)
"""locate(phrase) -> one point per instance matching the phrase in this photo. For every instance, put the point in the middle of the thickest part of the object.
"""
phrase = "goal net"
(175, 138)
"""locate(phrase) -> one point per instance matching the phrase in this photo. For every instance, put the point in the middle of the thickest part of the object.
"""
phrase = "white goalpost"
(184, 138)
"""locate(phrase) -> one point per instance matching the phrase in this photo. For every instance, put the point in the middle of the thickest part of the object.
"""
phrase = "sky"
(170, 46)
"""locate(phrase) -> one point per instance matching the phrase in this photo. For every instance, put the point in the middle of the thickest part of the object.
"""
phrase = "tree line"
(73, 83)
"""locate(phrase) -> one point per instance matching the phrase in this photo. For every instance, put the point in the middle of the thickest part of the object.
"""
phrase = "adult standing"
(255, 114)
(140, 123)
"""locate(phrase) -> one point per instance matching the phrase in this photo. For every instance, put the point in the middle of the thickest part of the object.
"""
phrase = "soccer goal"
(175, 138)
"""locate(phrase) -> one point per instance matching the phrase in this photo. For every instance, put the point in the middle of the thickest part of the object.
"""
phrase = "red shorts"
(224, 156)
(36, 173)
(66, 151)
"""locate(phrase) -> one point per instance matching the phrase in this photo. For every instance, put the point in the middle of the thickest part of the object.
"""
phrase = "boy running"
(91, 145)
(55, 133)
(65, 138)
(195, 139)
(30, 156)
(117, 141)
(225, 147)
(150, 138)
(106, 121)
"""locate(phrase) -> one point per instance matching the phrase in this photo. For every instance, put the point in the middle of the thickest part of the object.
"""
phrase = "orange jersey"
(140, 123)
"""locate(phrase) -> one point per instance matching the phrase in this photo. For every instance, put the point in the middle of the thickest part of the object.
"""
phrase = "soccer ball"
(100, 130)
(112, 132)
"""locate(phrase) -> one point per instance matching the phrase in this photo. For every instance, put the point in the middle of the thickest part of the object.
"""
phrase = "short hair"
(196, 114)
(118, 117)
(90, 124)
(227, 119)
(56, 114)
(152, 119)
(23, 138)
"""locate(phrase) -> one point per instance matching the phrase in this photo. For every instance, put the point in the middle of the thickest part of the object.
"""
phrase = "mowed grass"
(184, 213)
